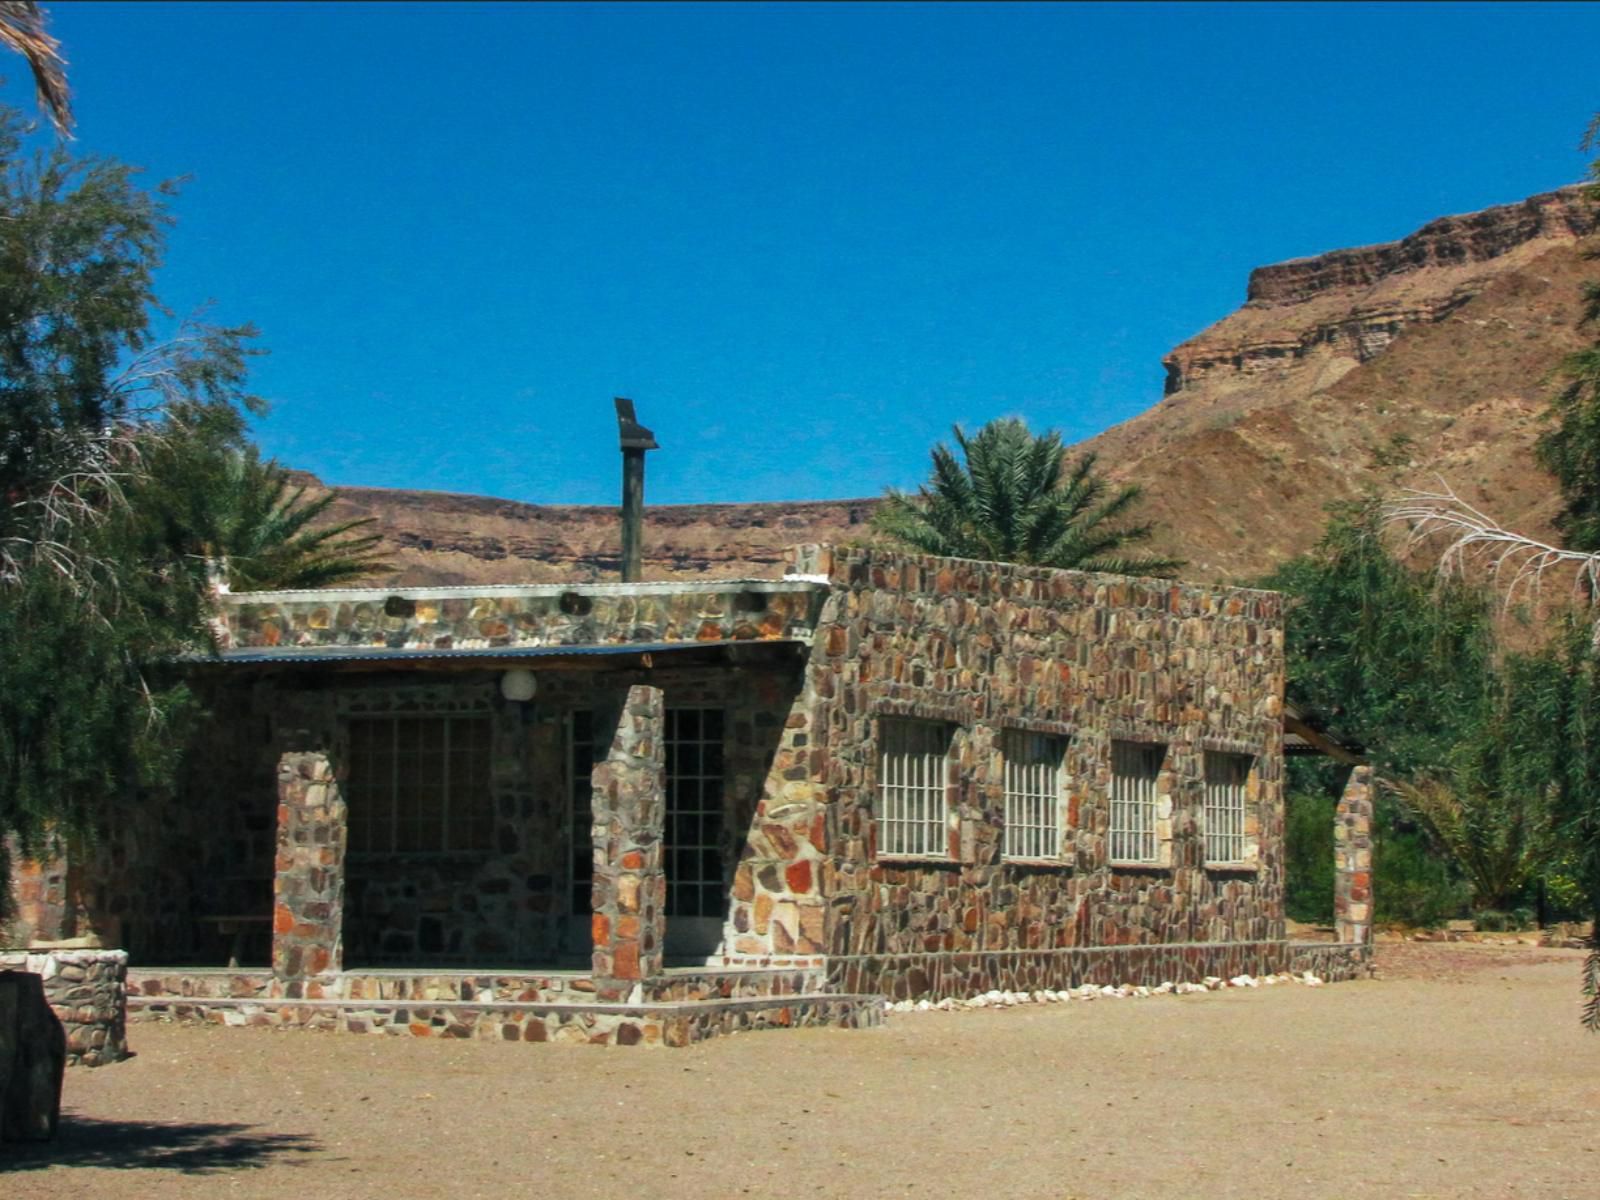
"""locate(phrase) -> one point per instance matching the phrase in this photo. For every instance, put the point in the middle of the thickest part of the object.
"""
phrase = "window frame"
(578, 750)
(920, 787)
(461, 802)
(1244, 788)
(1042, 841)
(1145, 786)
(702, 894)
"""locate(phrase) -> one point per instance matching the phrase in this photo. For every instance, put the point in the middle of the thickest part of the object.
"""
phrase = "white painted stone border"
(998, 999)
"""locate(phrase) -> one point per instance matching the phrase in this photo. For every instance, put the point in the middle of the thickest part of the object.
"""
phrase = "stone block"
(33, 1058)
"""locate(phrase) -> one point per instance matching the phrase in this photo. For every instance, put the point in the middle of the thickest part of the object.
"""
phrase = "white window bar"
(419, 785)
(1033, 794)
(912, 801)
(1227, 777)
(1134, 769)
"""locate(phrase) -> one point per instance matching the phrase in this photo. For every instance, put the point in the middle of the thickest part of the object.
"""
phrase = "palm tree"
(22, 28)
(1017, 500)
(271, 537)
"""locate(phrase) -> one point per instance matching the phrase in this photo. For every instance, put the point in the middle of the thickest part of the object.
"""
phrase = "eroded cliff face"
(1351, 304)
(445, 538)
(1360, 370)
(1371, 369)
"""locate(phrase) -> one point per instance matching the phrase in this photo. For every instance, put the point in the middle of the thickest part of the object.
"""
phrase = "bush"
(1308, 852)
(1411, 885)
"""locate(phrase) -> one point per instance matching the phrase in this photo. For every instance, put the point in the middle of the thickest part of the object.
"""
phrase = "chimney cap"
(634, 435)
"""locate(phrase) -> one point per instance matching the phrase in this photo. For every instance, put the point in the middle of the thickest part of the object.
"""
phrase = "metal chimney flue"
(636, 440)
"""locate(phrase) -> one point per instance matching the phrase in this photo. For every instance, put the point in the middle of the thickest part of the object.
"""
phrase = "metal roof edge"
(789, 584)
(313, 654)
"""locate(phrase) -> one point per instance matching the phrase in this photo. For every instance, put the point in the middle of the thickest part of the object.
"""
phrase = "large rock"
(33, 1059)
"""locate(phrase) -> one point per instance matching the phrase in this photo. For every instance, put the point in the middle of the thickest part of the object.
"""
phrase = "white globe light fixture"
(519, 683)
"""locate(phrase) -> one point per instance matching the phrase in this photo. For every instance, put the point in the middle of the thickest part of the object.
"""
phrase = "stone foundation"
(684, 1006)
(88, 991)
(1331, 962)
(940, 976)
(674, 1024)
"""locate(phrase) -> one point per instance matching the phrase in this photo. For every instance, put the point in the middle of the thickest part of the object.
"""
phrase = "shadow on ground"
(193, 1149)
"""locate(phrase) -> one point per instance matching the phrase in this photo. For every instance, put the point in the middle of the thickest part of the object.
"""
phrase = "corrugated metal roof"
(311, 654)
(468, 591)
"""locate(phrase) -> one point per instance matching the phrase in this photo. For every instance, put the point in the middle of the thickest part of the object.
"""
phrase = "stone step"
(435, 986)
(669, 1023)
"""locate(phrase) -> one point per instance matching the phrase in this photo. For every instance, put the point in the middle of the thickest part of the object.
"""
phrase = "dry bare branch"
(22, 28)
(1514, 561)
(86, 491)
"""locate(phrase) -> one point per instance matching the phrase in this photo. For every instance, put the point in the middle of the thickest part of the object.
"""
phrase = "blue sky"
(806, 240)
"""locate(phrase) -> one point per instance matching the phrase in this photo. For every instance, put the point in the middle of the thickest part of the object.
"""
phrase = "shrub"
(1411, 885)
(1308, 886)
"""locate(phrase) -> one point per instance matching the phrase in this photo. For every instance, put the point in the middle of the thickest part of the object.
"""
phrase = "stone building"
(657, 811)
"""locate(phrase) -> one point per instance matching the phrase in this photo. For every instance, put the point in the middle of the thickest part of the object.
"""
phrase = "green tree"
(1557, 700)
(1013, 497)
(1387, 659)
(1562, 742)
(1407, 666)
(1570, 448)
(94, 597)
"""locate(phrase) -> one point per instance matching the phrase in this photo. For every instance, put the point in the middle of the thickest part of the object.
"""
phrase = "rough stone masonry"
(575, 799)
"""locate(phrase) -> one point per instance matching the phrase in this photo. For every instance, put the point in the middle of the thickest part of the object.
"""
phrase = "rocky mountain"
(442, 537)
(1382, 367)
(1379, 367)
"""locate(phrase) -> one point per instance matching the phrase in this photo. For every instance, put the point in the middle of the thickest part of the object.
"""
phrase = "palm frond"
(273, 536)
(22, 28)
(1011, 498)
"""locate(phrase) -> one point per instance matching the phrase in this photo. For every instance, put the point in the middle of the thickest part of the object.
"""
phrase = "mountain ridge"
(1369, 368)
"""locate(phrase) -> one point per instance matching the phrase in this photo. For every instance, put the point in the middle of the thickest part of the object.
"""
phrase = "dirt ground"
(1460, 1072)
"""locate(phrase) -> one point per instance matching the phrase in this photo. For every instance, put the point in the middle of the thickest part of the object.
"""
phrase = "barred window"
(420, 785)
(1227, 779)
(912, 796)
(696, 886)
(1135, 767)
(582, 753)
(1033, 793)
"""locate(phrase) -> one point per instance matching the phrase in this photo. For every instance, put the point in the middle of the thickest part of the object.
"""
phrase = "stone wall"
(190, 879)
(88, 991)
(517, 616)
(985, 647)
(597, 1024)
(1332, 962)
(39, 906)
(979, 648)
(492, 906)
(153, 882)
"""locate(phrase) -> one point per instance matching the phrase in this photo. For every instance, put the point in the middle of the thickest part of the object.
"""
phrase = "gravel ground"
(1460, 1072)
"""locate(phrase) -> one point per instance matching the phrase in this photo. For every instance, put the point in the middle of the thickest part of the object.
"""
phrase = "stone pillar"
(39, 898)
(308, 892)
(1352, 860)
(630, 885)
